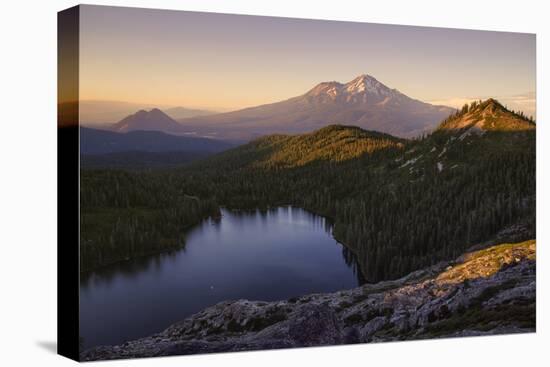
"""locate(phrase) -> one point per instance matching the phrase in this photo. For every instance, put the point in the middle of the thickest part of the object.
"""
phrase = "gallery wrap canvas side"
(68, 214)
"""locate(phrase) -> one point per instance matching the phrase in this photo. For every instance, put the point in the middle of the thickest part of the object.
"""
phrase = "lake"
(259, 255)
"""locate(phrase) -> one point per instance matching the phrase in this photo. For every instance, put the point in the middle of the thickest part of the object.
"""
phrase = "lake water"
(259, 255)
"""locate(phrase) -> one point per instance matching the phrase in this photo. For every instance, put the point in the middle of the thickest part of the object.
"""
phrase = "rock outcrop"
(489, 291)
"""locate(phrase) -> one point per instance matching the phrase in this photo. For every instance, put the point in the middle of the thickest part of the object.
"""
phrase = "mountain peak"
(365, 83)
(488, 115)
(361, 85)
(492, 105)
(157, 113)
(326, 88)
(154, 119)
(364, 78)
(363, 101)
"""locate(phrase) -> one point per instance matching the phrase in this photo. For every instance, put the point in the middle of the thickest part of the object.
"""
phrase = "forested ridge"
(398, 204)
(125, 215)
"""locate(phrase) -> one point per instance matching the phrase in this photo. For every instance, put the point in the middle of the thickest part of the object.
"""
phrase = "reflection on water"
(351, 261)
(260, 255)
(128, 269)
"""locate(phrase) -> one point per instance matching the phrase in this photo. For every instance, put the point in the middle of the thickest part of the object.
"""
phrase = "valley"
(414, 202)
(143, 149)
(402, 209)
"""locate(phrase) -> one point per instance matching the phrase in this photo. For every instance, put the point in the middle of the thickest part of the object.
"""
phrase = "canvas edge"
(68, 216)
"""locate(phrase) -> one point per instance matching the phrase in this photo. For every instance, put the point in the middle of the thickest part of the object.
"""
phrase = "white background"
(28, 191)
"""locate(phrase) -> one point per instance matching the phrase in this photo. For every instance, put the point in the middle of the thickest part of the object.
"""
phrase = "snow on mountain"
(363, 101)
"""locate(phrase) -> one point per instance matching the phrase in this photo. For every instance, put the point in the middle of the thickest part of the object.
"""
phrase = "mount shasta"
(364, 102)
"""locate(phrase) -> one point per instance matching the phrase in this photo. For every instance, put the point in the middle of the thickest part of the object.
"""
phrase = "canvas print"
(250, 182)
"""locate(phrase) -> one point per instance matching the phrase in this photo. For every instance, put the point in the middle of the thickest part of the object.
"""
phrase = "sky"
(227, 62)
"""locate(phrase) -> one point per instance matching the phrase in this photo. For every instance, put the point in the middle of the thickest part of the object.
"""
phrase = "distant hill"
(364, 102)
(99, 112)
(94, 141)
(478, 131)
(478, 128)
(397, 204)
(147, 120)
(335, 143)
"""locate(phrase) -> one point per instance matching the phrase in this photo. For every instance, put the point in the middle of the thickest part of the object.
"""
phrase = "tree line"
(394, 215)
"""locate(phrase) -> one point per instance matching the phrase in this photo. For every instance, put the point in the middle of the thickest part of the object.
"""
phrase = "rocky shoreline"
(485, 292)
